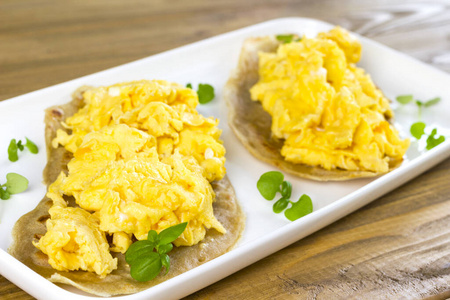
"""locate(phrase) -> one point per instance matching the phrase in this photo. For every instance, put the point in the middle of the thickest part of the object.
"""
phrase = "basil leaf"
(269, 184)
(300, 208)
(139, 251)
(286, 189)
(164, 248)
(170, 234)
(146, 268)
(417, 130)
(189, 86)
(432, 102)
(15, 183)
(405, 99)
(205, 93)
(432, 141)
(165, 260)
(12, 151)
(31, 146)
(280, 205)
(4, 195)
(153, 237)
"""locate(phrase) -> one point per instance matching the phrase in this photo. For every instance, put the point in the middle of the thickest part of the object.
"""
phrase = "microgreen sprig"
(405, 99)
(418, 130)
(271, 183)
(15, 146)
(205, 92)
(147, 257)
(15, 183)
(288, 38)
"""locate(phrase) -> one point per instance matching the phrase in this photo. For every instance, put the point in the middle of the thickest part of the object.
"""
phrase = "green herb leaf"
(152, 236)
(20, 146)
(164, 248)
(15, 183)
(4, 195)
(417, 130)
(189, 85)
(12, 151)
(205, 93)
(147, 268)
(269, 184)
(288, 38)
(432, 102)
(165, 260)
(138, 251)
(286, 189)
(31, 146)
(300, 208)
(432, 141)
(145, 263)
(405, 99)
(280, 205)
(170, 234)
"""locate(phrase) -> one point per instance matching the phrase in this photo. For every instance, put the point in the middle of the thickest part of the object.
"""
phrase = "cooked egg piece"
(74, 241)
(117, 174)
(327, 110)
(162, 109)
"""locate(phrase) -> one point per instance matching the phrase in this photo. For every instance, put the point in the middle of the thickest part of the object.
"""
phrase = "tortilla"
(252, 124)
(32, 226)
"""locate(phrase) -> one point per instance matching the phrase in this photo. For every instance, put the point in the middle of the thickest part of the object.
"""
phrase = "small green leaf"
(405, 99)
(288, 38)
(15, 183)
(432, 141)
(146, 268)
(269, 184)
(12, 151)
(4, 195)
(20, 146)
(417, 130)
(286, 189)
(152, 236)
(165, 260)
(189, 85)
(419, 103)
(31, 146)
(432, 102)
(300, 208)
(205, 93)
(280, 205)
(138, 251)
(170, 234)
(164, 248)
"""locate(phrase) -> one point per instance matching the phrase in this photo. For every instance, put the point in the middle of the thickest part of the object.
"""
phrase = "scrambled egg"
(328, 111)
(162, 109)
(143, 159)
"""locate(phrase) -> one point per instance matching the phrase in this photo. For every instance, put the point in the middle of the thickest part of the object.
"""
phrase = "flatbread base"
(252, 124)
(32, 226)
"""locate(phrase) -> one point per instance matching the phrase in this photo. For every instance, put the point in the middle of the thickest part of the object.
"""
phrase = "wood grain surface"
(398, 247)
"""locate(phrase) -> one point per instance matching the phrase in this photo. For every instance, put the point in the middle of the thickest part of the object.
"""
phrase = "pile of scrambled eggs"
(143, 159)
(327, 110)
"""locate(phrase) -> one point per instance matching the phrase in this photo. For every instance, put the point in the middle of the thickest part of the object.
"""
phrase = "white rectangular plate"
(211, 61)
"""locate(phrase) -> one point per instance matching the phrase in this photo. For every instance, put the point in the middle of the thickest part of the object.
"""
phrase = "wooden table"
(396, 247)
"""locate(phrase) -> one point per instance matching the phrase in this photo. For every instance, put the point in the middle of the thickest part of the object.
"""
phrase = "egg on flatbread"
(123, 160)
(305, 107)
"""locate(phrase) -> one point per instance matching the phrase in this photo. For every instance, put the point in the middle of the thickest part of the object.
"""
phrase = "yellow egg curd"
(143, 159)
(328, 111)
(163, 109)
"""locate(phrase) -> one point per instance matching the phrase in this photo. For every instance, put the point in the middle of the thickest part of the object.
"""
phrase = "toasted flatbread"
(32, 226)
(252, 124)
